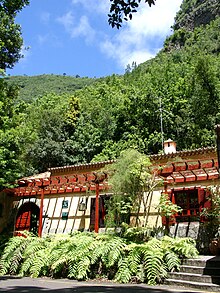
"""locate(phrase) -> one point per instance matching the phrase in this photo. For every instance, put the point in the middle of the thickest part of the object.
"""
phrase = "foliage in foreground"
(83, 256)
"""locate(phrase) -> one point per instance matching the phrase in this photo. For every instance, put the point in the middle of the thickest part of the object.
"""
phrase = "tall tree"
(11, 136)
(10, 33)
(50, 126)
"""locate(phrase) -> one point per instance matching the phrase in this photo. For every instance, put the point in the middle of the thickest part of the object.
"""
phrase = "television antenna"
(161, 110)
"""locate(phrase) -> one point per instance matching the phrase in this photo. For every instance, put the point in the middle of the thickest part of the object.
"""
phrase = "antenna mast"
(161, 122)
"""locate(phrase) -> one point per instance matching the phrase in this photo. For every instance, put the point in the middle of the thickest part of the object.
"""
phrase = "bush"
(84, 256)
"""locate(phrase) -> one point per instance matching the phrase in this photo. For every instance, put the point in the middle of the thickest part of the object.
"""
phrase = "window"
(189, 202)
(192, 201)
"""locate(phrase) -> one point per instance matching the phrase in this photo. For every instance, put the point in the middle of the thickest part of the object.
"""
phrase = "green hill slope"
(31, 87)
(111, 114)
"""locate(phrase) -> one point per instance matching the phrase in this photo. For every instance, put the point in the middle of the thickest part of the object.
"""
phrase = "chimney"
(169, 146)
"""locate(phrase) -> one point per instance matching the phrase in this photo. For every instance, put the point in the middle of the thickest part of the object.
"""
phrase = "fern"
(135, 258)
(83, 268)
(84, 255)
(172, 261)
(154, 266)
(123, 275)
(72, 268)
(183, 247)
(112, 251)
(40, 263)
(29, 254)
(130, 267)
(12, 255)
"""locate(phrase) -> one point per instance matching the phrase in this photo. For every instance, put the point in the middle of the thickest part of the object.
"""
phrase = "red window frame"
(190, 213)
(188, 200)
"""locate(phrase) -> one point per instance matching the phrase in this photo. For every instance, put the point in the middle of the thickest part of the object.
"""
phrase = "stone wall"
(202, 233)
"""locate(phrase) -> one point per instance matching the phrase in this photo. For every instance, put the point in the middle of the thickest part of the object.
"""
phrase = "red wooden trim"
(180, 166)
(97, 208)
(192, 165)
(206, 163)
(41, 213)
(200, 174)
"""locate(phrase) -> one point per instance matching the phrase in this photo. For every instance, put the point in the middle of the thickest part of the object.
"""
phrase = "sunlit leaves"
(10, 33)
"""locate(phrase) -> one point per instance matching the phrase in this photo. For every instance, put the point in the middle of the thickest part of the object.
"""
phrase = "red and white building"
(71, 198)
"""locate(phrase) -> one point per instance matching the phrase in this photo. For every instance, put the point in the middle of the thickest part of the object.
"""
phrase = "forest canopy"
(71, 120)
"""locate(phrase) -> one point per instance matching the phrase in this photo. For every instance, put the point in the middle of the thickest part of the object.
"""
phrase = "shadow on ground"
(10, 284)
(85, 289)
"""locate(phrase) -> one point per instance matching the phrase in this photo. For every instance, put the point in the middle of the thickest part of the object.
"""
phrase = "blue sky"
(74, 37)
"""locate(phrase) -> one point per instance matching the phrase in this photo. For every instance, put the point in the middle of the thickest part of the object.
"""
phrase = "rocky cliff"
(194, 13)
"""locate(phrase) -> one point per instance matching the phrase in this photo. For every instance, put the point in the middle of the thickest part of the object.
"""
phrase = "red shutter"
(23, 221)
(204, 200)
(171, 220)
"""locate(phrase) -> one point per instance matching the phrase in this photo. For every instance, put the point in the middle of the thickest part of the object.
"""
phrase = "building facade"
(70, 198)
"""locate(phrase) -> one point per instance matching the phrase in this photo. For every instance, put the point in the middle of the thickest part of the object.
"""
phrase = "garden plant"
(86, 255)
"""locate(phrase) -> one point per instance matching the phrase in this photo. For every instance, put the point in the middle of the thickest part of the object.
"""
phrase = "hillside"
(109, 115)
(31, 87)
(194, 13)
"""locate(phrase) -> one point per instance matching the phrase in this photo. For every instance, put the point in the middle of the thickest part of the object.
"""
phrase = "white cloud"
(138, 39)
(83, 29)
(79, 28)
(100, 6)
(49, 38)
(45, 17)
(67, 20)
(155, 20)
(42, 39)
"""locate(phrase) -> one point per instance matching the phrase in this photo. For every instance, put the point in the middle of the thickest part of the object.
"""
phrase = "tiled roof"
(82, 177)
(183, 154)
(156, 157)
(79, 167)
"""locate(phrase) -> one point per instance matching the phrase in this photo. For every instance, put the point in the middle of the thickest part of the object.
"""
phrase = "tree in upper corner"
(123, 10)
(10, 33)
(12, 135)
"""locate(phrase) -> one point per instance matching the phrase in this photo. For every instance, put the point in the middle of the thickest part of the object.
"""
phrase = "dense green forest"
(61, 120)
(31, 87)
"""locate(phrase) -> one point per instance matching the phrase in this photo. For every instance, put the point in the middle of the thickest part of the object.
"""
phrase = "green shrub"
(84, 256)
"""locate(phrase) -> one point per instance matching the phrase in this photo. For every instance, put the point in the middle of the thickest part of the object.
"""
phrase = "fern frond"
(5, 261)
(154, 266)
(59, 265)
(123, 274)
(154, 243)
(172, 261)
(112, 251)
(185, 247)
(33, 247)
(135, 258)
(12, 255)
(40, 263)
(83, 268)
(72, 268)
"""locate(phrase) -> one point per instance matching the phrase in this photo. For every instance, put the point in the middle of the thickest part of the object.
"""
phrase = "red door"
(27, 218)
(102, 212)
